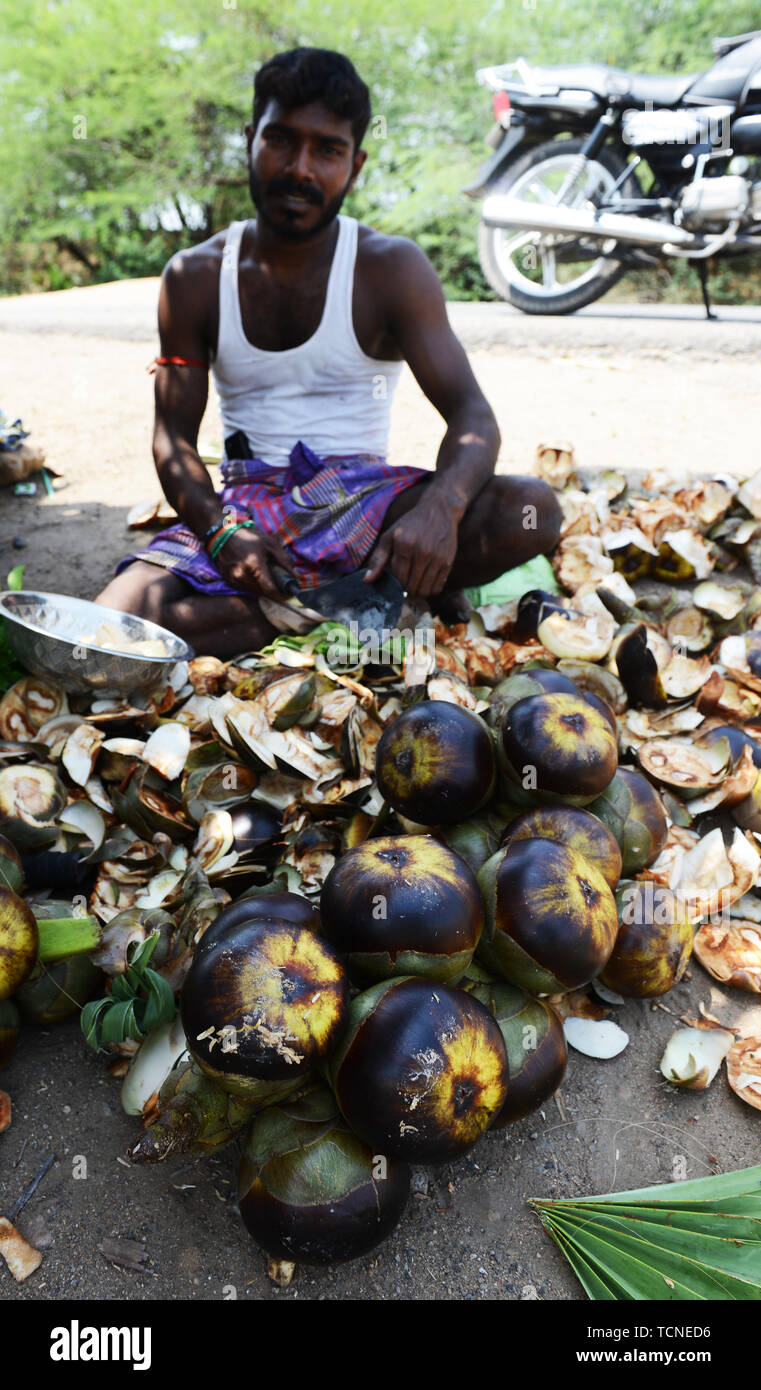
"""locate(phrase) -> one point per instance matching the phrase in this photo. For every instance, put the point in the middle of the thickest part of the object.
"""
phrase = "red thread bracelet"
(175, 362)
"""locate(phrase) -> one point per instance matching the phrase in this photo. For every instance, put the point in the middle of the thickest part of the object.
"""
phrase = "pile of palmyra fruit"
(350, 913)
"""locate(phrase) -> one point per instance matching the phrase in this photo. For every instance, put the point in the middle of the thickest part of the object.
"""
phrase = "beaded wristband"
(211, 531)
(226, 534)
(221, 540)
(217, 528)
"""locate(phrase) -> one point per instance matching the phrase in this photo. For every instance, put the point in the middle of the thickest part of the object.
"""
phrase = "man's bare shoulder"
(393, 254)
(196, 264)
(189, 298)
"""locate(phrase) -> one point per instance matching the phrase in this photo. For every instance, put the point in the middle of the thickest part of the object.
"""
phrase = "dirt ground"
(467, 1233)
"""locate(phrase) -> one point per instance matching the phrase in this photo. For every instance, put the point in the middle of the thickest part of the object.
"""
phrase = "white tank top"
(326, 392)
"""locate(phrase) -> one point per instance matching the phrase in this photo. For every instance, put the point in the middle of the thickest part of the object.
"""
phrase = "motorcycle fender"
(492, 167)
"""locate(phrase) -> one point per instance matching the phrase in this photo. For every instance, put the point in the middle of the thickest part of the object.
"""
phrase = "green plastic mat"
(534, 574)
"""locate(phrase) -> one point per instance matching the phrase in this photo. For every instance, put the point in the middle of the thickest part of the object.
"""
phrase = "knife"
(373, 607)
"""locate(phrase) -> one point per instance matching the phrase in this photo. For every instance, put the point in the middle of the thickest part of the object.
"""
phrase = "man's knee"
(141, 589)
(549, 515)
(532, 508)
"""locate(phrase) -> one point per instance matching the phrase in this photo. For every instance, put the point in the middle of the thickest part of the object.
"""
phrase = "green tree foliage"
(122, 125)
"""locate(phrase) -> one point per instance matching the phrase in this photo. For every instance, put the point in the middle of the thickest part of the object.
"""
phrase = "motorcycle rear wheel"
(538, 173)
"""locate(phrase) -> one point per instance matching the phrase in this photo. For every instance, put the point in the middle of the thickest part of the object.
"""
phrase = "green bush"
(114, 118)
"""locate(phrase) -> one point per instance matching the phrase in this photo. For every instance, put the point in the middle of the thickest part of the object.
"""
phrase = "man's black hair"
(303, 75)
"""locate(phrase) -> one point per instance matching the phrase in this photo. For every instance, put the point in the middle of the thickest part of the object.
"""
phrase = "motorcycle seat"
(645, 90)
(638, 89)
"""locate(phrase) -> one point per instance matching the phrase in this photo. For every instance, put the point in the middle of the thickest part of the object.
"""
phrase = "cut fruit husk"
(690, 630)
(681, 764)
(731, 952)
(705, 875)
(595, 1038)
(577, 636)
(693, 1056)
(721, 599)
(744, 1070)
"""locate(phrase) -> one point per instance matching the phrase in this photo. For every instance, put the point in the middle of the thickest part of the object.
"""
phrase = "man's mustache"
(281, 186)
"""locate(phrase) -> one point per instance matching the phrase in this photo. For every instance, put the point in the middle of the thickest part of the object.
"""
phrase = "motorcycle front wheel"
(544, 273)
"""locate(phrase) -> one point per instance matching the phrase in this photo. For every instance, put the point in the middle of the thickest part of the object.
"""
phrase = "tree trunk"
(65, 244)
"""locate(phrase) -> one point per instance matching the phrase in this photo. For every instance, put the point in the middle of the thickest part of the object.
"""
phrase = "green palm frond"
(677, 1242)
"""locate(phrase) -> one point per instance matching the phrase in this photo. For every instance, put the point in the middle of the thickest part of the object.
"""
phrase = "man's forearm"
(186, 484)
(466, 459)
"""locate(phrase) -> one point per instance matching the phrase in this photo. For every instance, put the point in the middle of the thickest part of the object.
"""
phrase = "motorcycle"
(565, 213)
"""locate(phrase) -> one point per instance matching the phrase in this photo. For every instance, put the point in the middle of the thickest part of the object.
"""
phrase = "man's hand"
(244, 561)
(419, 549)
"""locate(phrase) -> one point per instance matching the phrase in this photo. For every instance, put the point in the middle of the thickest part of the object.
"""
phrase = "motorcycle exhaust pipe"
(500, 210)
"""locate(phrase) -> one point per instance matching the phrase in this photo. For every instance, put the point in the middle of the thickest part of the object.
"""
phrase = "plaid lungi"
(328, 511)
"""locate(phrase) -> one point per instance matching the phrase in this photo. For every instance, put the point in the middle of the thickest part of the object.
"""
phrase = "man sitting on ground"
(306, 317)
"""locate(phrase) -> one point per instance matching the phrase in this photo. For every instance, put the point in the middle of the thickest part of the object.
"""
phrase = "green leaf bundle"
(139, 1001)
(677, 1242)
(334, 640)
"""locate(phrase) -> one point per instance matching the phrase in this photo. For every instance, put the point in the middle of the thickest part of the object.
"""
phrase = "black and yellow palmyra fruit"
(421, 1071)
(310, 1190)
(653, 943)
(435, 763)
(551, 918)
(262, 1006)
(402, 905)
(556, 747)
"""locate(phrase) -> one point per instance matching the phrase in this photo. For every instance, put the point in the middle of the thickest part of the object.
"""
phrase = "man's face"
(301, 165)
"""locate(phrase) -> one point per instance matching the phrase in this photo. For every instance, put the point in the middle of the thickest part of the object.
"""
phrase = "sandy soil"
(88, 401)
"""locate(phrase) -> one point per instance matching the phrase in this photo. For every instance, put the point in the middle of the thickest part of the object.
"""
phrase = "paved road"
(126, 310)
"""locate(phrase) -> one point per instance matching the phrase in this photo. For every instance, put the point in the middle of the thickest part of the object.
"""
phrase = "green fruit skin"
(653, 945)
(195, 1116)
(537, 1052)
(510, 797)
(633, 811)
(506, 958)
(60, 991)
(250, 1088)
(536, 935)
(475, 839)
(310, 1191)
(366, 968)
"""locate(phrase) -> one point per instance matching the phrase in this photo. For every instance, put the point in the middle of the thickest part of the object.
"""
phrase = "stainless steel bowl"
(45, 630)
